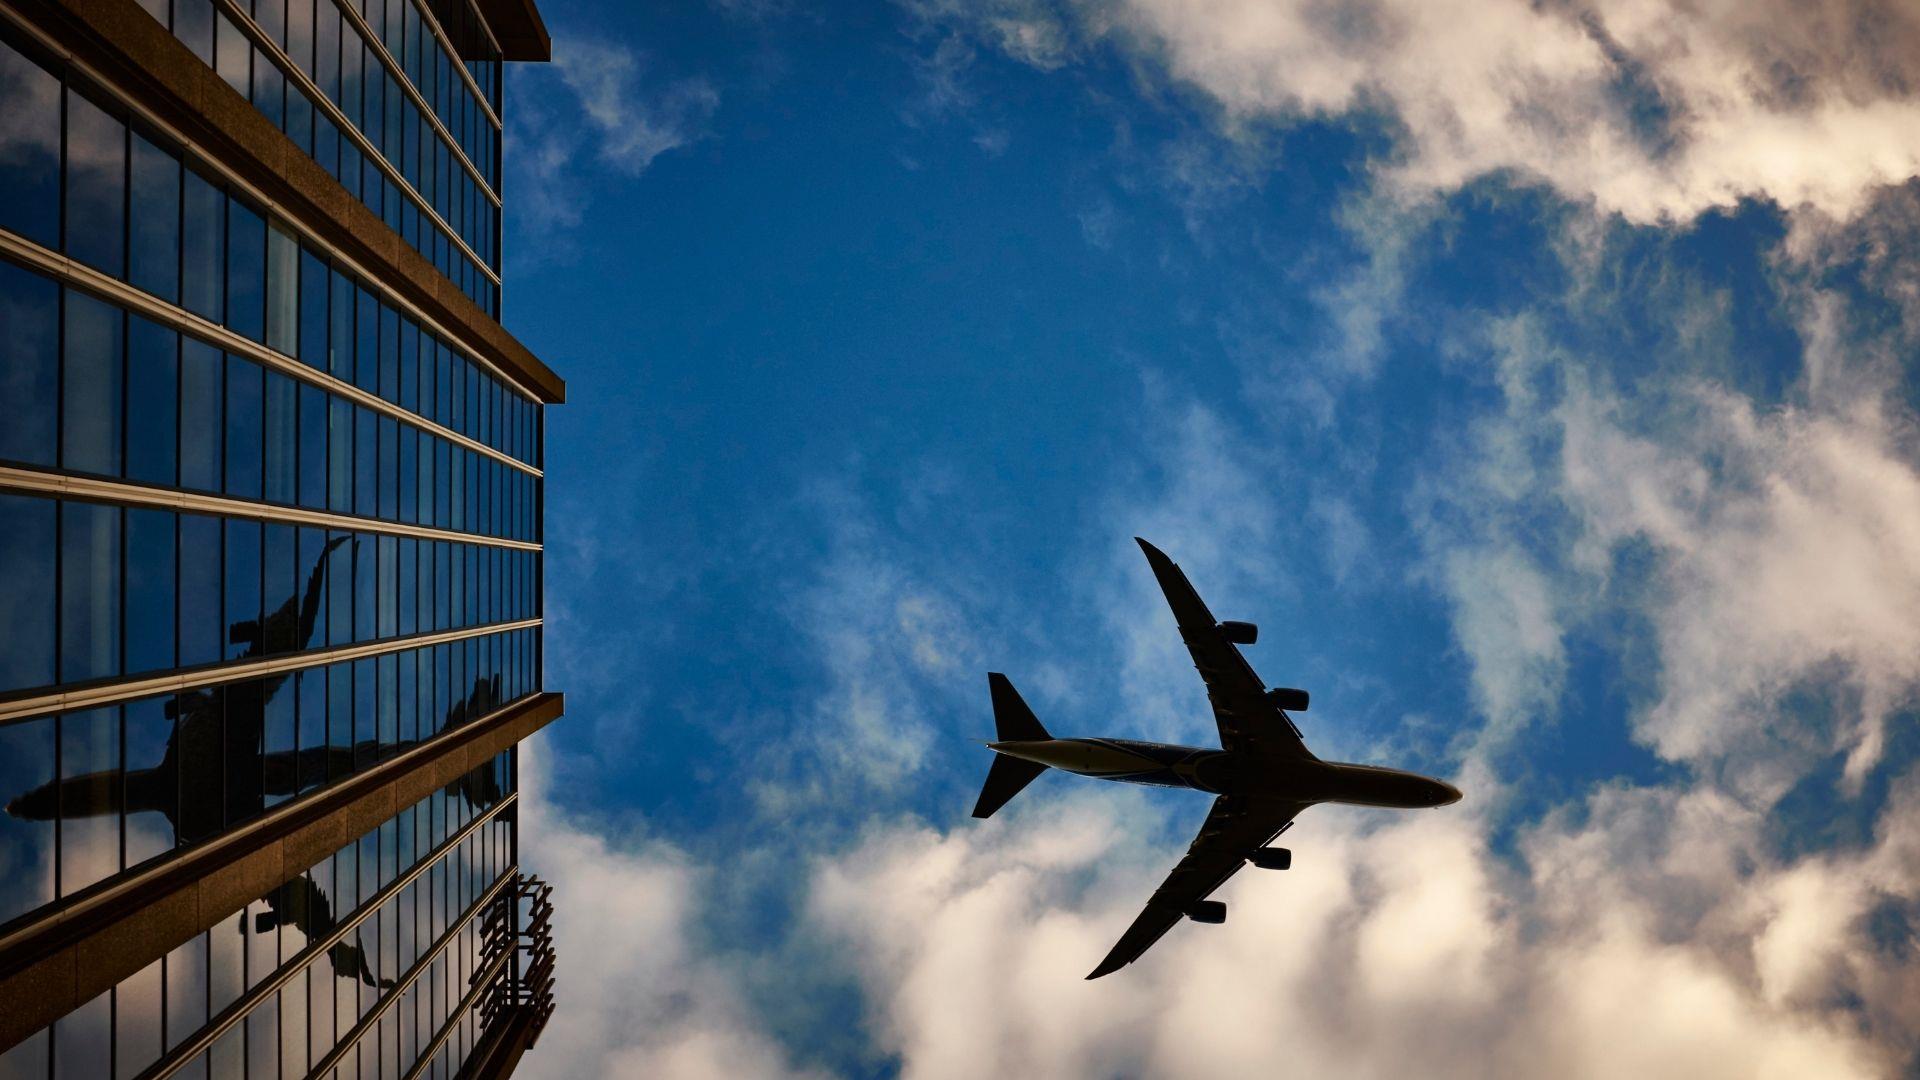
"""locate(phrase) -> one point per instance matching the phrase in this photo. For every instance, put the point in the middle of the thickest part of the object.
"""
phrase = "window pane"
(90, 409)
(279, 464)
(233, 55)
(150, 591)
(313, 310)
(246, 723)
(30, 169)
(26, 830)
(201, 423)
(283, 291)
(366, 460)
(193, 24)
(96, 185)
(154, 258)
(339, 455)
(311, 766)
(199, 634)
(365, 575)
(152, 779)
(29, 361)
(366, 349)
(340, 328)
(89, 798)
(279, 576)
(313, 446)
(153, 389)
(244, 631)
(340, 588)
(83, 1041)
(246, 270)
(136, 1021)
(203, 267)
(89, 591)
(244, 427)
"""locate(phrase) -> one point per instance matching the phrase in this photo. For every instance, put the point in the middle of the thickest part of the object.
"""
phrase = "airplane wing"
(1234, 828)
(1248, 721)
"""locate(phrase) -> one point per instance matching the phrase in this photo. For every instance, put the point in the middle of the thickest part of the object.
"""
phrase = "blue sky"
(1540, 383)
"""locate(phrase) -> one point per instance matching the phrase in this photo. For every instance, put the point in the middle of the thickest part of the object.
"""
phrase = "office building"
(270, 543)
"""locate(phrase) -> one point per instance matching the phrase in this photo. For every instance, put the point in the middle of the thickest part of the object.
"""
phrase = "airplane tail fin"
(1012, 720)
(1004, 781)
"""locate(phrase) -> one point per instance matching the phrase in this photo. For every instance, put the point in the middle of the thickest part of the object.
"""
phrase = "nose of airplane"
(1446, 794)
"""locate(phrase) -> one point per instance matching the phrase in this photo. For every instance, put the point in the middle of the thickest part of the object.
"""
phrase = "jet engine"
(1208, 911)
(1271, 858)
(1288, 698)
(1240, 633)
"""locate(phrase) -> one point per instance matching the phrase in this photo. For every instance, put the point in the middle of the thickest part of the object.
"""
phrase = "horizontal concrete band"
(117, 44)
(85, 278)
(72, 953)
(98, 489)
(99, 695)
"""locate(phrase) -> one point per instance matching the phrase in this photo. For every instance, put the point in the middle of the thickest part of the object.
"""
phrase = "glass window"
(136, 1021)
(90, 404)
(245, 429)
(153, 391)
(96, 185)
(389, 592)
(244, 632)
(89, 798)
(340, 332)
(366, 461)
(364, 735)
(246, 270)
(199, 633)
(313, 446)
(30, 169)
(311, 579)
(365, 585)
(279, 576)
(233, 56)
(152, 779)
(269, 87)
(280, 459)
(313, 310)
(366, 370)
(201, 415)
(29, 361)
(89, 591)
(203, 255)
(311, 765)
(154, 239)
(26, 830)
(339, 720)
(83, 1041)
(243, 766)
(389, 467)
(150, 589)
(340, 589)
(300, 33)
(186, 990)
(284, 320)
(339, 454)
(409, 465)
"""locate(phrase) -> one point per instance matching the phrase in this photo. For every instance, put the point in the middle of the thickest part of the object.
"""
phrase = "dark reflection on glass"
(153, 389)
(153, 258)
(150, 602)
(152, 781)
(246, 271)
(26, 591)
(89, 796)
(89, 591)
(203, 248)
(281, 583)
(29, 357)
(244, 427)
(313, 446)
(340, 590)
(26, 832)
(201, 424)
(199, 597)
(83, 1041)
(96, 185)
(244, 629)
(365, 591)
(30, 169)
(90, 390)
(279, 455)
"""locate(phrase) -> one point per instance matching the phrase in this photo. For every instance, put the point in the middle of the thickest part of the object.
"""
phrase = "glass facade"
(270, 535)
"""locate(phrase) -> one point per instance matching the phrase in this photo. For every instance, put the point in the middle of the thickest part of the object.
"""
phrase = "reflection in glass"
(246, 271)
(89, 591)
(26, 592)
(150, 589)
(90, 398)
(89, 797)
(203, 249)
(152, 782)
(136, 1021)
(96, 172)
(279, 456)
(244, 429)
(26, 831)
(283, 290)
(153, 257)
(30, 169)
(29, 356)
(244, 628)
(83, 1041)
(153, 388)
(201, 423)
(199, 597)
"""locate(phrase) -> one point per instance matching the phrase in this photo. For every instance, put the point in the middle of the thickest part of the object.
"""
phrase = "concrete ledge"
(73, 952)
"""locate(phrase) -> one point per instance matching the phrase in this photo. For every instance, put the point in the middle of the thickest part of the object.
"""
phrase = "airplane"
(1263, 775)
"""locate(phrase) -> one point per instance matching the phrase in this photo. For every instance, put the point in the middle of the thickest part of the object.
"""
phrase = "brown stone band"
(73, 952)
(123, 46)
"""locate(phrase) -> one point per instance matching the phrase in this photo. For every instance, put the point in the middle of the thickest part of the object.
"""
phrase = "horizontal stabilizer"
(1013, 721)
(1004, 781)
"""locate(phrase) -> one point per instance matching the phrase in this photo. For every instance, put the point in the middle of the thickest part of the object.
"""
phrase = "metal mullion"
(261, 43)
(173, 1061)
(439, 33)
(234, 180)
(487, 977)
(73, 274)
(180, 680)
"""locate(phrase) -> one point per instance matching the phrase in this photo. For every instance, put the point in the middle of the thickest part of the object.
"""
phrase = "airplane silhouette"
(302, 904)
(1263, 775)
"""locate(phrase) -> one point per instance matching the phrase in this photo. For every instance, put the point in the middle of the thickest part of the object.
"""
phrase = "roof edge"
(518, 27)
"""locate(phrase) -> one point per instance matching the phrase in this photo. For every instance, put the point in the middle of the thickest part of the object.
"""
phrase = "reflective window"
(89, 798)
(245, 428)
(96, 186)
(199, 637)
(153, 255)
(27, 829)
(89, 591)
(283, 291)
(90, 398)
(202, 425)
(313, 446)
(152, 779)
(246, 270)
(203, 250)
(30, 168)
(153, 393)
(150, 589)
(244, 632)
(29, 361)
(279, 459)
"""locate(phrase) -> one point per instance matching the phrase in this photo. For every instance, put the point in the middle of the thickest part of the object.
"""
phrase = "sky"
(1539, 376)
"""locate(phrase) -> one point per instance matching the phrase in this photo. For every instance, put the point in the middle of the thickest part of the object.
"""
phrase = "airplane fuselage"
(1222, 772)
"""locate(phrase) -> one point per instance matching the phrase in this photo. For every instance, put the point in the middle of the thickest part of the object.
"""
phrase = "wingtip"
(1107, 967)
